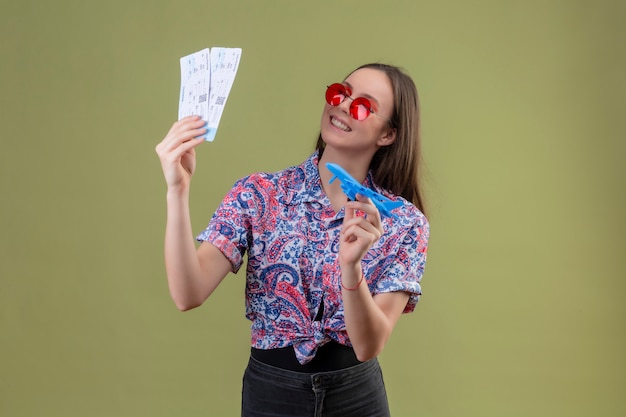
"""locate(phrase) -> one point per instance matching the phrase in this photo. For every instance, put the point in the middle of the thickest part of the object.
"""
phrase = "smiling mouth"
(339, 125)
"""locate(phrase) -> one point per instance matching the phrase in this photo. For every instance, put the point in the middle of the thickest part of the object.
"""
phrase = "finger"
(176, 153)
(183, 128)
(364, 204)
(187, 130)
(355, 232)
(176, 139)
(186, 127)
(364, 224)
(369, 209)
(348, 213)
(193, 121)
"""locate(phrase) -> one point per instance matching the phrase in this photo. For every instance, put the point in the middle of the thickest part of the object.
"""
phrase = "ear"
(388, 137)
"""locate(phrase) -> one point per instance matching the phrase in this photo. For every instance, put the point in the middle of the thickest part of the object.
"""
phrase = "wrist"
(354, 287)
(177, 192)
(350, 267)
(351, 276)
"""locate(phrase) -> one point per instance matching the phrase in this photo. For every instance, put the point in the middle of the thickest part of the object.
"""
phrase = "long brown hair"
(396, 167)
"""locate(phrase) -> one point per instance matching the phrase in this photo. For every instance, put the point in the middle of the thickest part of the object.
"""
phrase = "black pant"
(358, 391)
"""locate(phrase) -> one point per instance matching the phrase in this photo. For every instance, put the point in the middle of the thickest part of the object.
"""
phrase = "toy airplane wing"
(351, 188)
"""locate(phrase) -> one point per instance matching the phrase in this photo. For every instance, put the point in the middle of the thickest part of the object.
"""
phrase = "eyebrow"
(364, 94)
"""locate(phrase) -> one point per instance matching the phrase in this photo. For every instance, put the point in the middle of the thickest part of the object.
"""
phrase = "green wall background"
(523, 121)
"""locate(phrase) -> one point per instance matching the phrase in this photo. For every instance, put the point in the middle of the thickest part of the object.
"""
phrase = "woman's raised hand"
(359, 232)
(177, 151)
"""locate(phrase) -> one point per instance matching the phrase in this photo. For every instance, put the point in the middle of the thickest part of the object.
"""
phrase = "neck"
(357, 166)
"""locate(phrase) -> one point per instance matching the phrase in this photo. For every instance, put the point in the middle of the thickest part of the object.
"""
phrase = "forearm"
(182, 265)
(367, 325)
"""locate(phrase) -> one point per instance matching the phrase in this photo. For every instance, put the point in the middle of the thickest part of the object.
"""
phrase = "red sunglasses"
(360, 108)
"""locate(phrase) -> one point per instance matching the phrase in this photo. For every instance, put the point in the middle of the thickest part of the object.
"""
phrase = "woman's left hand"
(360, 230)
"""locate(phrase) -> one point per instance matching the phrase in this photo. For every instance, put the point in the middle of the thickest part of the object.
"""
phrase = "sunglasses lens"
(360, 108)
(336, 94)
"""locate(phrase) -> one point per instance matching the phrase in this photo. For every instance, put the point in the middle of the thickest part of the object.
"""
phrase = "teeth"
(339, 125)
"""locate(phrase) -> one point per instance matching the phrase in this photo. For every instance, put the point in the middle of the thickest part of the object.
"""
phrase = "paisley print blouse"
(290, 232)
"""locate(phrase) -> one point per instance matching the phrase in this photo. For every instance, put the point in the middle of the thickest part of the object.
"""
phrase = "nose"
(344, 106)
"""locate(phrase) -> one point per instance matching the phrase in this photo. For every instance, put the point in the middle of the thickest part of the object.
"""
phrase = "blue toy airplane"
(351, 188)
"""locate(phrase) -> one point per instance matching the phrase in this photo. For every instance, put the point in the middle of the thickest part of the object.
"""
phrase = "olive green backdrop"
(523, 120)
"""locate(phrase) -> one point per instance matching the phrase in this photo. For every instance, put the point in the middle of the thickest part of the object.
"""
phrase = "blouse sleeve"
(402, 270)
(229, 228)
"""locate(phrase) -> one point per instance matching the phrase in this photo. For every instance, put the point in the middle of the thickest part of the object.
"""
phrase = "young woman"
(327, 278)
